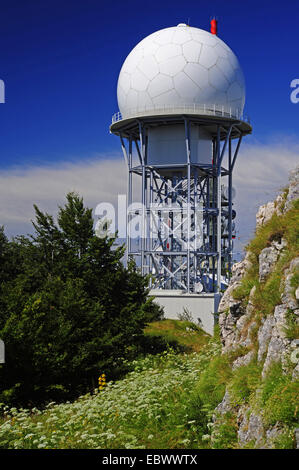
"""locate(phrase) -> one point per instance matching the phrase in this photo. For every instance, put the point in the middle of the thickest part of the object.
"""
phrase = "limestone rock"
(265, 213)
(271, 435)
(264, 336)
(243, 360)
(225, 406)
(251, 430)
(267, 260)
(293, 193)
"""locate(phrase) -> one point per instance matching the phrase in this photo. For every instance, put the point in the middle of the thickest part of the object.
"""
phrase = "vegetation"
(267, 294)
(68, 308)
(152, 407)
(184, 336)
(72, 316)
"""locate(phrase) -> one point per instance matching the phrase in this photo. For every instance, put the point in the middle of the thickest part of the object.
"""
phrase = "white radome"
(180, 67)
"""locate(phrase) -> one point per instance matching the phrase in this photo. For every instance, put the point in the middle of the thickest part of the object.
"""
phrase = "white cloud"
(96, 180)
(260, 172)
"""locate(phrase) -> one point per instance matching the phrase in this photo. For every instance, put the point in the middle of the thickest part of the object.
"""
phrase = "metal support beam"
(188, 154)
(219, 260)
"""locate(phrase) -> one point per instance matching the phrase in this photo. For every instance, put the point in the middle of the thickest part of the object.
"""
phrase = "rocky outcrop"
(293, 192)
(263, 337)
(268, 258)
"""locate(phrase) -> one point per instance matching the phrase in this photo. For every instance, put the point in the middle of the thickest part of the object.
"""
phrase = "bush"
(70, 310)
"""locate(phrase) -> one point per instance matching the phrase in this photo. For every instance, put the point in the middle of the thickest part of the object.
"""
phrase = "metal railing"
(209, 110)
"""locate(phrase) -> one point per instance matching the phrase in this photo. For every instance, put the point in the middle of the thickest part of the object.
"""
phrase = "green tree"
(72, 310)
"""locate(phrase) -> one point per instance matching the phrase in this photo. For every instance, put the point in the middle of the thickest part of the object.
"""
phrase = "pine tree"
(73, 309)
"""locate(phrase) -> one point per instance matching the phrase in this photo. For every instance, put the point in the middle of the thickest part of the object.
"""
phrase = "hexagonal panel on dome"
(208, 56)
(160, 84)
(144, 100)
(132, 61)
(204, 37)
(167, 52)
(139, 81)
(167, 99)
(121, 97)
(149, 67)
(186, 87)
(240, 77)
(132, 99)
(198, 74)
(164, 37)
(125, 81)
(181, 35)
(173, 66)
(220, 50)
(208, 96)
(226, 68)
(191, 51)
(150, 49)
(234, 91)
(217, 79)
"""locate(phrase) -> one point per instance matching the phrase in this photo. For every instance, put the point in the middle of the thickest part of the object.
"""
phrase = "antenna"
(214, 25)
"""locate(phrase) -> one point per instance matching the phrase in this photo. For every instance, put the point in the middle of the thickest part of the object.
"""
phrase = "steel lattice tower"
(191, 256)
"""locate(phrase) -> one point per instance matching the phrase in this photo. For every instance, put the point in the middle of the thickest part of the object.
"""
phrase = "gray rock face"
(264, 336)
(293, 193)
(238, 321)
(271, 435)
(267, 260)
(265, 213)
(225, 406)
(274, 353)
(251, 430)
(243, 360)
(236, 324)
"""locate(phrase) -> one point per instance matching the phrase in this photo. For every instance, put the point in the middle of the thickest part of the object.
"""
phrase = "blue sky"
(60, 62)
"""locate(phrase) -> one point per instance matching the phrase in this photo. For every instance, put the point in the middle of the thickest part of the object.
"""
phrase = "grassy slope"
(154, 406)
(276, 397)
(183, 334)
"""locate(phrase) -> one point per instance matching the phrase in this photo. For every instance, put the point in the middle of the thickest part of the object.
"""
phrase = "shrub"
(69, 309)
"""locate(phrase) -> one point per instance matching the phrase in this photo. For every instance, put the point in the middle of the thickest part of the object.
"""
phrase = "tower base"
(201, 307)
